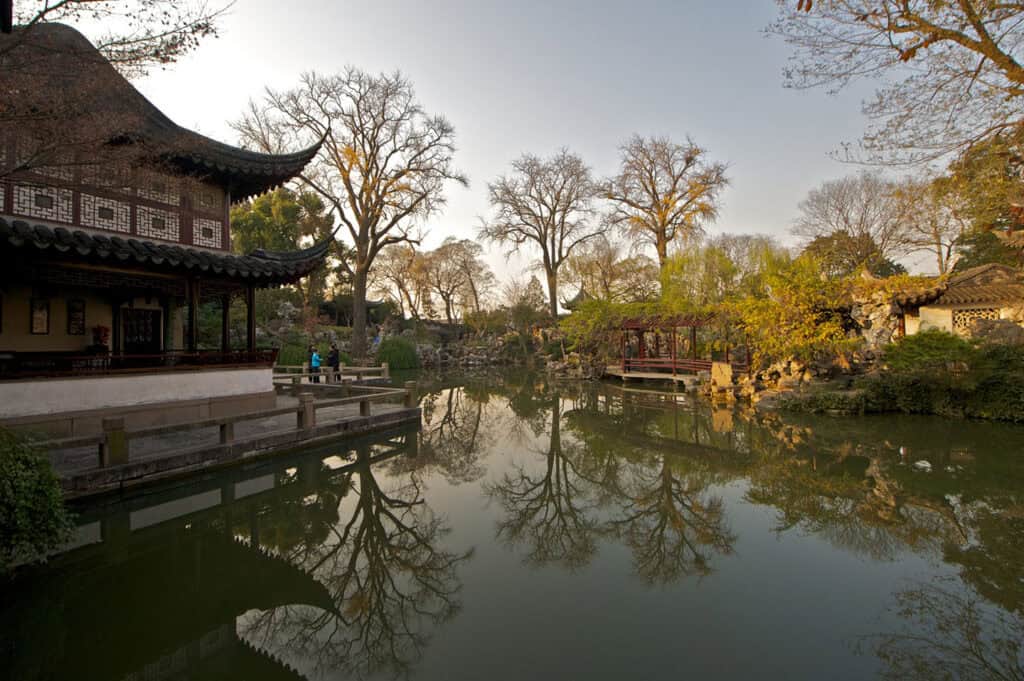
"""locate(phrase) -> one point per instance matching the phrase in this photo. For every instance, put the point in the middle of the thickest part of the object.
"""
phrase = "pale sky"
(530, 76)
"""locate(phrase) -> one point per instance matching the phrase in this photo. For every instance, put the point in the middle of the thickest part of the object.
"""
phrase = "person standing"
(314, 366)
(334, 363)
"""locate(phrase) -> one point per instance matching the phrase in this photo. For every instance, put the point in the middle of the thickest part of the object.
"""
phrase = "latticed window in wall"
(963, 319)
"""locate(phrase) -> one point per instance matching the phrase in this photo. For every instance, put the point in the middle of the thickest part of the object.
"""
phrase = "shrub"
(399, 353)
(33, 520)
(938, 373)
(928, 351)
(846, 402)
(553, 348)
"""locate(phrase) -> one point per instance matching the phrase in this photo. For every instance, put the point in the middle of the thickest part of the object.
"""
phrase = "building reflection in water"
(334, 563)
(277, 571)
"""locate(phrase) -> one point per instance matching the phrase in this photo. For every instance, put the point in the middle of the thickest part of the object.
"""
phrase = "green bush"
(33, 520)
(949, 376)
(929, 350)
(830, 401)
(553, 348)
(293, 354)
(399, 353)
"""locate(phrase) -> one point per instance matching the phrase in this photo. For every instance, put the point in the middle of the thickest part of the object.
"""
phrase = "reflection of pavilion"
(159, 591)
(171, 615)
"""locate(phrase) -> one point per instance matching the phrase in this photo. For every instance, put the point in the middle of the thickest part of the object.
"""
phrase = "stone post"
(114, 450)
(385, 372)
(306, 415)
(410, 394)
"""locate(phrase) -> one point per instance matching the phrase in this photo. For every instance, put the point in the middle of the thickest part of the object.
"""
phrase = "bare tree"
(936, 218)
(546, 203)
(603, 270)
(397, 275)
(664, 191)
(383, 164)
(866, 207)
(478, 279)
(135, 37)
(950, 70)
(444, 277)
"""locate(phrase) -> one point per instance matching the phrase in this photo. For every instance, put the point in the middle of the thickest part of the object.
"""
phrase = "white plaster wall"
(33, 397)
(936, 318)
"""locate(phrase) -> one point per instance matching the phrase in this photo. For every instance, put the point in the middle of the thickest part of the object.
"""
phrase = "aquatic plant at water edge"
(33, 520)
(399, 353)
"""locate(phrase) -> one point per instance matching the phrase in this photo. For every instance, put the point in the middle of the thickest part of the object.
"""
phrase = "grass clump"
(399, 353)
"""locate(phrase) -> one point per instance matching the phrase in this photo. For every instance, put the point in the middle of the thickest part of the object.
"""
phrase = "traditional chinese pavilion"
(107, 254)
(656, 346)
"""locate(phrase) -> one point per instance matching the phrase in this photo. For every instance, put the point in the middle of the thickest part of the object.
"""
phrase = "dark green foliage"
(399, 353)
(842, 255)
(33, 520)
(928, 350)
(933, 372)
(981, 248)
(553, 348)
(938, 373)
(827, 402)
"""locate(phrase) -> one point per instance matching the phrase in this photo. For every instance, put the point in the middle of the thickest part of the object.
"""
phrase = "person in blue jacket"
(314, 365)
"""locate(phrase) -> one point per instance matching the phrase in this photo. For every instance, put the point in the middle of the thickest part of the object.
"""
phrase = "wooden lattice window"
(963, 319)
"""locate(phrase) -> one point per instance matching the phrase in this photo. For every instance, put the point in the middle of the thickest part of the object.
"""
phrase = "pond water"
(555, 531)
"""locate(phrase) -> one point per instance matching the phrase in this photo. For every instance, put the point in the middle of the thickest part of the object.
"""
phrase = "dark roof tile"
(66, 51)
(262, 267)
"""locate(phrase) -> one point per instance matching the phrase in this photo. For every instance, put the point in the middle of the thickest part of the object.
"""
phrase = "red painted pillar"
(623, 344)
(672, 349)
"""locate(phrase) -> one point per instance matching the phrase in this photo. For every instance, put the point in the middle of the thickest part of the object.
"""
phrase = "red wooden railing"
(678, 365)
(14, 365)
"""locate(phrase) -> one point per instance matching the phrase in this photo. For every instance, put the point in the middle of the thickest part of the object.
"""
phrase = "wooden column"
(693, 342)
(225, 323)
(672, 350)
(250, 318)
(623, 338)
(115, 324)
(192, 342)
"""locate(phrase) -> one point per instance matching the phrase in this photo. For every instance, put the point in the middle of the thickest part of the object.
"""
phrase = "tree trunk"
(661, 245)
(359, 314)
(553, 293)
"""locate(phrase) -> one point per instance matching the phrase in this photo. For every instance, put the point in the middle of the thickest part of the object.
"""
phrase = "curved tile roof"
(259, 267)
(62, 60)
(991, 283)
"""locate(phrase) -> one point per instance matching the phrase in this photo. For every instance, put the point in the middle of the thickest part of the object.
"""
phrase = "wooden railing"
(678, 365)
(296, 372)
(59, 364)
(114, 442)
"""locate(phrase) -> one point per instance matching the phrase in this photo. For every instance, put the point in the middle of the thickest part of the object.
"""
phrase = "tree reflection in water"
(951, 635)
(391, 583)
(549, 511)
(453, 437)
(587, 489)
(672, 524)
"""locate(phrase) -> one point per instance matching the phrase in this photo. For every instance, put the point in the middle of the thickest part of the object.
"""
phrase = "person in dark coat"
(334, 362)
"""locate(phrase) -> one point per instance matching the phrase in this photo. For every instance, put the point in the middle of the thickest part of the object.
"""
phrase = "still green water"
(542, 531)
